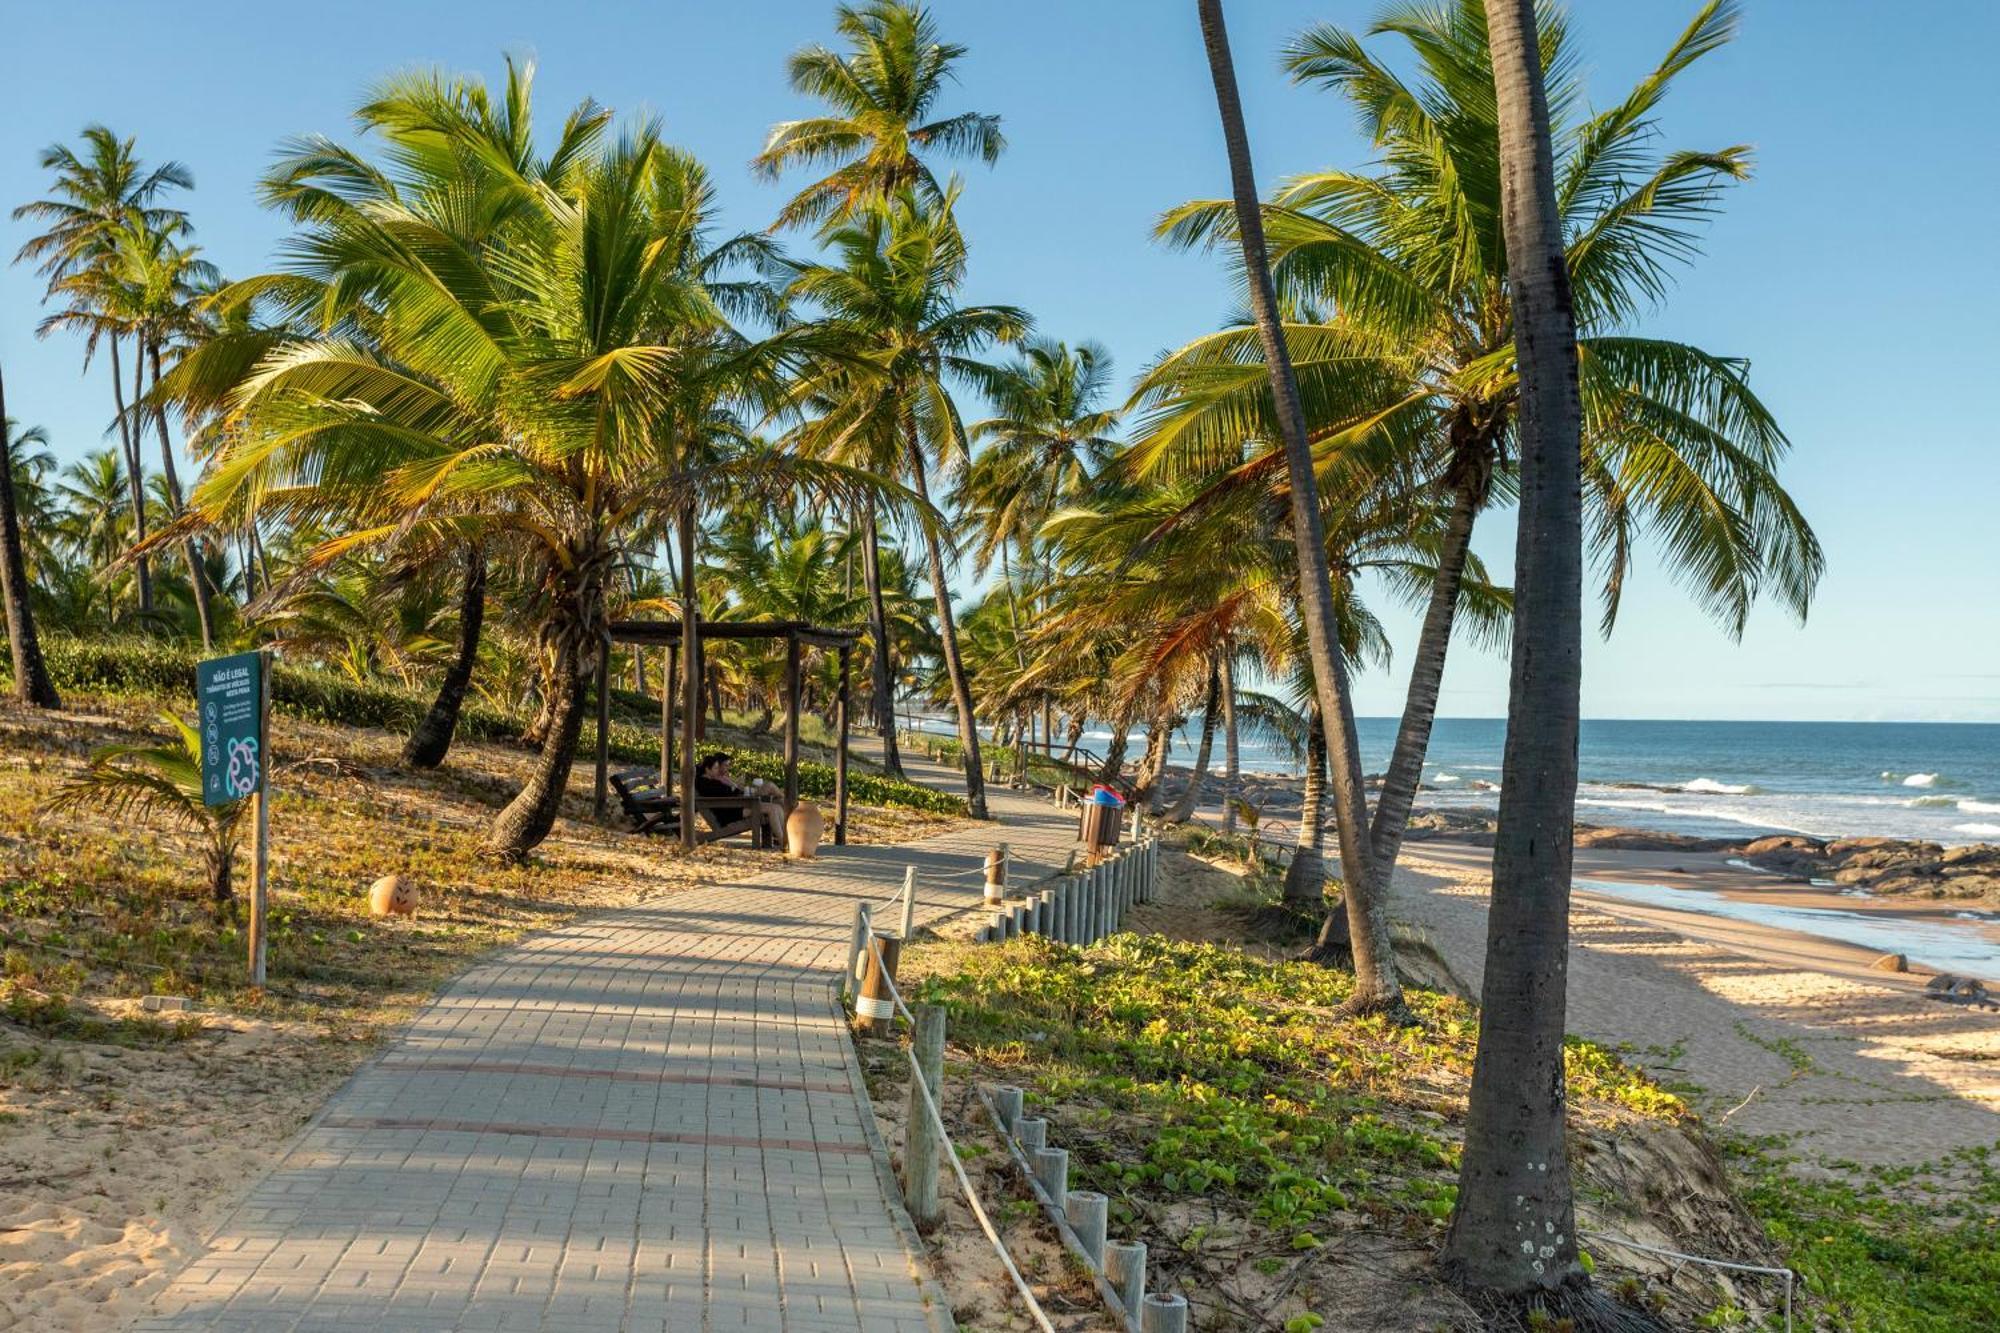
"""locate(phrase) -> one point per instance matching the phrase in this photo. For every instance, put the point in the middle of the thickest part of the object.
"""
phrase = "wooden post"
(856, 942)
(1089, 1216)
(1007, 1100)
(873, 1007)
(603, 725)
(996, 875)
(909, 900)
(1052, 1171)
(840, 754)
(1163, 1314)
(260, 829)
(667, 714)
(791, 720)
(920, 1137)
(1125, 1270)
(690, 676)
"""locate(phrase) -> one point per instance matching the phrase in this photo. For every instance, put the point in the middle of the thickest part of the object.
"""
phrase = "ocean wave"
(1710, 787)
(1980, 807)
(1933, 803)
(1911, 779)
(1723, 813)
(1443, 778)
(1978, 830)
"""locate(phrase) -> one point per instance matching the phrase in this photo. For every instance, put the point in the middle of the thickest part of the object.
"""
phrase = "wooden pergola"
(667, 633)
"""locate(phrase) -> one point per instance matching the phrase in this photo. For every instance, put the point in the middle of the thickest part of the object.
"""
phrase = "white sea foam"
(1709, 786)
(1442, 778)
(1980, 807)
(1932, 802)
(1978, 830)
(1921, 780)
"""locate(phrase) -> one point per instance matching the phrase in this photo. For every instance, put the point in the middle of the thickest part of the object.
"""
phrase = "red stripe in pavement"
(586, 1132)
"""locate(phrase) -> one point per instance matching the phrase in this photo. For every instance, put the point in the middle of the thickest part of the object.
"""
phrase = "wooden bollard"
(1088, 1215)
(872, 1006)
(1032, 1133)
(1045, 913)
(1019, 917)
(1125, 1270)
(1052, 1170)
(857, 946)
(920, 1138)
(996, 875)
(1163, 1314)
(1007, 1102)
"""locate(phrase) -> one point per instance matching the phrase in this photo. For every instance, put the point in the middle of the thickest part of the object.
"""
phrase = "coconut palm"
(1515, 1178)
(1375, 984)
(155, 280)
(524, 312)
(32, 683)
(99, 190)
(162, 782)
(1417, 360)
(880, 97)
(890, 338)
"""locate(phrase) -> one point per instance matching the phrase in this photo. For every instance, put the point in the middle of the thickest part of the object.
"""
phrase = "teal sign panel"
(230, 694)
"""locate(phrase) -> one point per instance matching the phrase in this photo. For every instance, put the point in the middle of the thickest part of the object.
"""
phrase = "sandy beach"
(1781, 1033)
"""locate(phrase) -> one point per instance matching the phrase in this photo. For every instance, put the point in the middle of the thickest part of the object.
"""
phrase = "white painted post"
(920, 1139)
(1163, 1314)
(1125, 1270)
(1088, 1214)
(1007, 1101)
(1052, 1170)
(855, 944)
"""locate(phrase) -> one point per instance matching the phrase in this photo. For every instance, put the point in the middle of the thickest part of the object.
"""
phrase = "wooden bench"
(654, 809)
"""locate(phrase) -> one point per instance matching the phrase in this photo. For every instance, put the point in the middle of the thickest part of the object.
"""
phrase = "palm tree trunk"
(135, 479)
(961, 688)
(1305, 877)
(520, 827)
(1514, 1179)
(1184, 807)
(191, 547)
(1114, 753)
(1413, 735)
(1375, 982)
(878, 628)
(32, 684)
(1232, 766)
(431, 740)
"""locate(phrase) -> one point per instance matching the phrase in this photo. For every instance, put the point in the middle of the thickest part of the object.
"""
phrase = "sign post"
(234, 695)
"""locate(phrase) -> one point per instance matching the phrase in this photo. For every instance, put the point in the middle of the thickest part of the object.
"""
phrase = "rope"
(951, 1152)
(1787, 1274)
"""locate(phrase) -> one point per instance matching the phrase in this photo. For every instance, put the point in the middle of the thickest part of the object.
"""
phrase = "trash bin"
(1101, 819)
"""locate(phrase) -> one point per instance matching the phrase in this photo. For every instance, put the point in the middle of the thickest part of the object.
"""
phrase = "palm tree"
(513, 382)
(32, 684)
(1375, 983)
(1417, 365)
(891, 336)
(880, 97)
(1514, 1179)
(430, 740)
(158, 280)
(1051, 437)
(98, 191)
(97, 514)
(162, 782)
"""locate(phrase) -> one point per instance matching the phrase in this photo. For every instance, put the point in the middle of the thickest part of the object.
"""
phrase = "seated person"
(712, 779)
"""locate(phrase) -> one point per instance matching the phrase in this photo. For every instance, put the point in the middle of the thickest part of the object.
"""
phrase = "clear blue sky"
(1857, 271)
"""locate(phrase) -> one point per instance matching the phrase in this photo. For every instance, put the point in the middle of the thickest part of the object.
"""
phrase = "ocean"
(1934, 781)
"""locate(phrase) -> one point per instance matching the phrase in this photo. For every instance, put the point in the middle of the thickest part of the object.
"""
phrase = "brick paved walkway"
(651, 1119)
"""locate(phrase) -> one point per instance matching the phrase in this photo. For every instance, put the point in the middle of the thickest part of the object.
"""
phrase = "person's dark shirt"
(705, 785)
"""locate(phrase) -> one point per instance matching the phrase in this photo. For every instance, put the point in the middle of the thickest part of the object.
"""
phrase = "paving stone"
(646, 1120)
